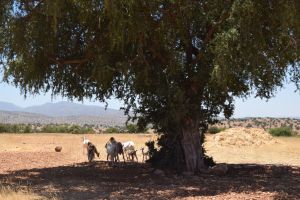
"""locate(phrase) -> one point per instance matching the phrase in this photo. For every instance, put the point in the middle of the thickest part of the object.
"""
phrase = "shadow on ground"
(136, 181)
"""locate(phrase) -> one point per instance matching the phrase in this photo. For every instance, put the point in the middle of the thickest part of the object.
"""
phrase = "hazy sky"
(285, 104)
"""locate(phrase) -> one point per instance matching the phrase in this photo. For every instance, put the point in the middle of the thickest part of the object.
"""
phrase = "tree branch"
(212, 29)
(71, 61)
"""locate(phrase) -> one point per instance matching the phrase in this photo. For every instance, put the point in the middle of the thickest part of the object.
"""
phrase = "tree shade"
(176, 64)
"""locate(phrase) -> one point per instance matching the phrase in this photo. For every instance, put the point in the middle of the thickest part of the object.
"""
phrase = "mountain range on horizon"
(60, 109)
(64, 108)
(61, 113)
(69, 113)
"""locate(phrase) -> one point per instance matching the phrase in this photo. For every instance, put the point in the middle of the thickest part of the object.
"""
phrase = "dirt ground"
(29, 161)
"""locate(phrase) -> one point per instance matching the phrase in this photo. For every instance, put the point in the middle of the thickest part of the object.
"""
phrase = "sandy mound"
(244, 137)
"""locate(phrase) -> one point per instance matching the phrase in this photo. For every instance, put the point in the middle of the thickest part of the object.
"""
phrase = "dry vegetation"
(258, 147)
(31, 169)
(8, 193)
(264, 123)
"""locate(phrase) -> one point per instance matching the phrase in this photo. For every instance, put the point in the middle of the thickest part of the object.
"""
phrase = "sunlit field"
(39, 148)
(285, 151)
(31, 169)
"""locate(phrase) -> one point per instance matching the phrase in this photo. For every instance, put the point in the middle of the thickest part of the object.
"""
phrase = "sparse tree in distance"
(177, 64)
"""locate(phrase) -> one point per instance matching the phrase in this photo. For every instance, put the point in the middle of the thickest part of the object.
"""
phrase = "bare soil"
(270, 171)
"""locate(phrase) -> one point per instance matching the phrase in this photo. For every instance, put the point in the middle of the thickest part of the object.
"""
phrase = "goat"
(112, 149)
(128, 146)
(85, 142)
(132, 155)
(91, 149)
(120, 151)
(145, 154)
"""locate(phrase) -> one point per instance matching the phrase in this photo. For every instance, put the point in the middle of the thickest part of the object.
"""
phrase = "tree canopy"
(176, 64)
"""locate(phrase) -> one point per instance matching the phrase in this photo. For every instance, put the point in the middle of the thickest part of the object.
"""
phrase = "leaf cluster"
(168, 60)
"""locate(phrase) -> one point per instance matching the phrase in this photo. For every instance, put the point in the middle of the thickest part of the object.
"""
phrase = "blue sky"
(286, 103)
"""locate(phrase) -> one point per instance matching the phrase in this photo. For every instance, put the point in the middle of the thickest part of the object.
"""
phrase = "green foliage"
(129, 128)
(49, 128)
(15, 128)
(215, 129)
(133, 128)
(282, 131)
(27, 129)
(112, 130)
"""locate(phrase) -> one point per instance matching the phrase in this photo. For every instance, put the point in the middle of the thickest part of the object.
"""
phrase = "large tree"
(177, 64)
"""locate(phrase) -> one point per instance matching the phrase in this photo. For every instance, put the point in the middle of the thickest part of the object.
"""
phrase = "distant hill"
(16, 117)
(62, 108)
(61, 112)
(9, 106)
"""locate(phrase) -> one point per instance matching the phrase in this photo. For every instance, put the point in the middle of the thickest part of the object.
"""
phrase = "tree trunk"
(192, 146)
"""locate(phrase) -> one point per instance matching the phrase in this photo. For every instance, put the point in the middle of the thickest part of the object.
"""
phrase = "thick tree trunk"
(192, 146)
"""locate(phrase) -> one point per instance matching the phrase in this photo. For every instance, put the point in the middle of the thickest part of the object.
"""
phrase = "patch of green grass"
(215, 129)
(112, 130)
(282, 131)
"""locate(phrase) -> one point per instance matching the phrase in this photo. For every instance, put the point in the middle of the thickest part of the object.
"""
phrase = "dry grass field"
(31, 169)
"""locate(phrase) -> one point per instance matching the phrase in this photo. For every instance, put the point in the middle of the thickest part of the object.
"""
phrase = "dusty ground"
(38, 149)
(29, 161)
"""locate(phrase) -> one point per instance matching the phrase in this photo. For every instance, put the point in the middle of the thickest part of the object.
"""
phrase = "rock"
(159, 172)
(58, 148)
(220, 169)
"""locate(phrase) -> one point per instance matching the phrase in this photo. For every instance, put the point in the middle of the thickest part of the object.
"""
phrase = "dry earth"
(29, 161)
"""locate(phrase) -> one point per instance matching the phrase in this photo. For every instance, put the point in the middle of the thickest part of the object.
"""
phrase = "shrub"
(215, 129)
(112, 130)
(11, 128)
(282, 131)
(27, 129)
(49, 128)
(171, 155)
(151, 147)
(133, 128)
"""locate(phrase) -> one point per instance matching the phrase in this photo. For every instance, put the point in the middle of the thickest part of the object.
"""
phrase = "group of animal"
(114, 149)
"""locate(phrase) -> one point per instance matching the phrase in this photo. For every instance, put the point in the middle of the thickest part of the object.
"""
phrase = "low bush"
(282, 131)
(15, 128)
(133, 128)
(215, 129)
(112, 130)
(49, 128)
